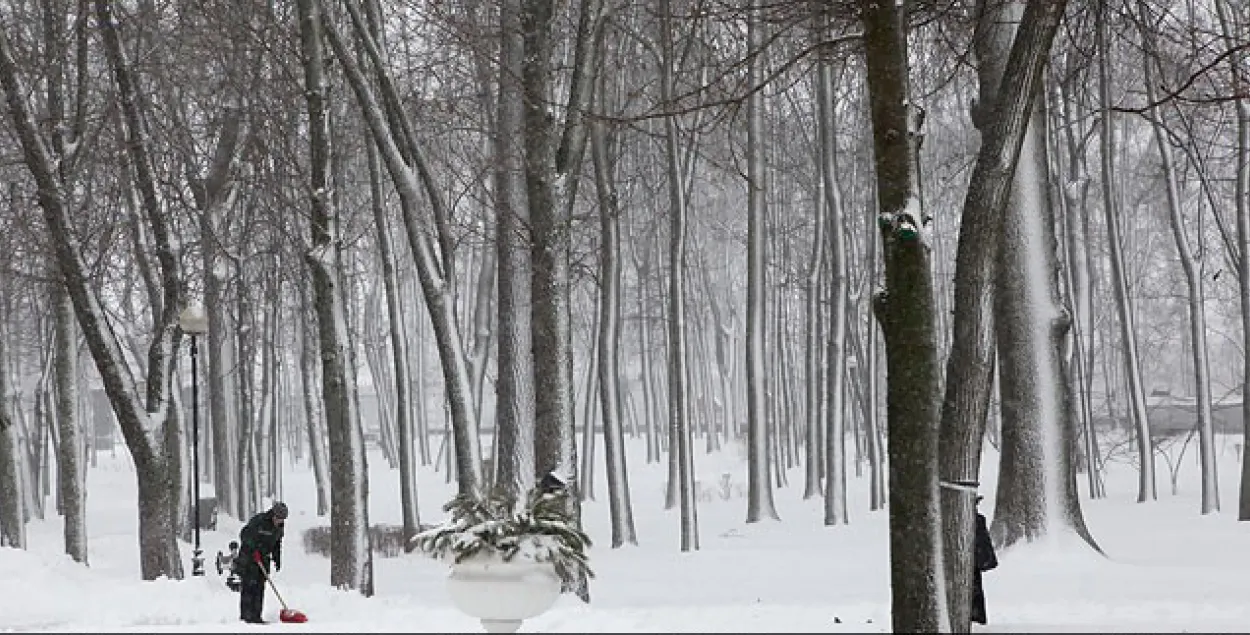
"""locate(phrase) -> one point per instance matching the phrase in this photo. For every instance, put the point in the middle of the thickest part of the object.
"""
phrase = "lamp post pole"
(195, 323)
(197, 556)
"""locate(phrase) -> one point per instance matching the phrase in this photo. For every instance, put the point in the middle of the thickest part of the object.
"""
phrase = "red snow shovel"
(287, 614)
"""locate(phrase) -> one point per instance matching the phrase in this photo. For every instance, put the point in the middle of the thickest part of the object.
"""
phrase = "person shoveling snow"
(260, 544)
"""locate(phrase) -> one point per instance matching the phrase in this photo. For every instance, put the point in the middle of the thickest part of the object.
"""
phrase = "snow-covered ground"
(1168, 568)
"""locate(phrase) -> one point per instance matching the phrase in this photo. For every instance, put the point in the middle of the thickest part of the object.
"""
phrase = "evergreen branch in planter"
(540, 531)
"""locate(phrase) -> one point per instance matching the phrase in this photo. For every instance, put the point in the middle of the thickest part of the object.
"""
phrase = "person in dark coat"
(260, 544)
(984, 559)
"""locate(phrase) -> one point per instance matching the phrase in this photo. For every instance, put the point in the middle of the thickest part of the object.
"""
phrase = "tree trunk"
(1241, 193)
(436, 286)
(1003, 115)
(1146, 488)
(1037, 491)
(399, 353)
(313, 414)
(1193, 282)
(835, 426)
(514, 404)
(620, 508)
(12, 525)
(905, 309)
(349, 514)
(679, 438)
(71, 476)
(759, 487)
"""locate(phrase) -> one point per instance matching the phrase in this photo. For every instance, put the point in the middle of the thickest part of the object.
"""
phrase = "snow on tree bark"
(1037, 491)
(148, 428)
(349, 517)
(1003, 115)
(905, 309)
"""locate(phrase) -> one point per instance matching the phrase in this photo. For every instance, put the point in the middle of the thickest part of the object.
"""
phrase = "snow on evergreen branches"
(540, 531)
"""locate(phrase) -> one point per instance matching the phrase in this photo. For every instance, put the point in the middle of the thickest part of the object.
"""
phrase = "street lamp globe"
(193, 320)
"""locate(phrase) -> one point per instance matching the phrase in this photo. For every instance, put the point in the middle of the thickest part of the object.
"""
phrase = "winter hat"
(279, 510)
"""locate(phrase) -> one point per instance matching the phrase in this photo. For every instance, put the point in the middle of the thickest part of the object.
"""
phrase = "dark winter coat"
(260, 535)
(984, 559)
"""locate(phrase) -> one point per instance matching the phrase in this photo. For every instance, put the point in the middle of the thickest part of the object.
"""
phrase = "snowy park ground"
(1168, 568)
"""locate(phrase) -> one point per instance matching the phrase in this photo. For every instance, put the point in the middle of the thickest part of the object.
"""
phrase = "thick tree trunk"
(1037, 492)
(350, 562)
(514, 404)
(1003, 115)
(905, 309)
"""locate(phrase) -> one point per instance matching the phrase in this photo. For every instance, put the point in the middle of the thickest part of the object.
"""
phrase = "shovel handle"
(272, 586)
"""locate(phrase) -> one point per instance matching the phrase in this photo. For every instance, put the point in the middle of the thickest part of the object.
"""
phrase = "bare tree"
(150, 425)
(350, 562)
(609, 338)
(1193, 276)
(1146, 486)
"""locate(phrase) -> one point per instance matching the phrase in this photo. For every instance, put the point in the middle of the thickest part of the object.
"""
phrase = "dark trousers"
(251, 599)
(978, 599)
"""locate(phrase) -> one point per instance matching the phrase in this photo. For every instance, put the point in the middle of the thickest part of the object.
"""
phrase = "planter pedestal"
(502, 594)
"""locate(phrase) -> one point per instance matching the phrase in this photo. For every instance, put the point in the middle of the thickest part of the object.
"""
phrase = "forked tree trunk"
(620, 508)
(350, 562)
(1003, 114)
(156, 467)
(411, 175)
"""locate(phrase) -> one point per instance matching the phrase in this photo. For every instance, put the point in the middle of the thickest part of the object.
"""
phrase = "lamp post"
(195, 323)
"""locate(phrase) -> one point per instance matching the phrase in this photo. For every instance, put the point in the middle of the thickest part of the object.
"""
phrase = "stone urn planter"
(502, 594)
(510, 559)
